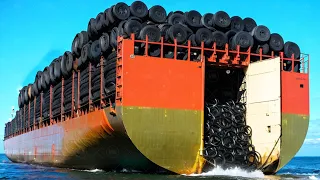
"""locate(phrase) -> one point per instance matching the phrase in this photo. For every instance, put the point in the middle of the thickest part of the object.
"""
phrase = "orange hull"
(81, 143)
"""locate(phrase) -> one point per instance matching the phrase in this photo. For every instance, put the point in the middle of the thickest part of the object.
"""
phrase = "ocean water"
(298, 168)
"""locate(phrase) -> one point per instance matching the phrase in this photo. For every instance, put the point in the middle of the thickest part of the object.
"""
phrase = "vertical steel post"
(62, 99)
(40, 120)
(72, 95)
(29, 116)
(50, 106)
(90, 100)
(34, 111)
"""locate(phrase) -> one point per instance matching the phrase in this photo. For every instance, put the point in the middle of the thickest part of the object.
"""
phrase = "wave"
(93, 170)
(218, 171)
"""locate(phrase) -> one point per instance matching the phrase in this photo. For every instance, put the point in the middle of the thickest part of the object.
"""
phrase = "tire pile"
(228, 138)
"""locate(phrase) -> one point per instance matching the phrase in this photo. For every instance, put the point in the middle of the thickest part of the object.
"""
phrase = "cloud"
(315, 141)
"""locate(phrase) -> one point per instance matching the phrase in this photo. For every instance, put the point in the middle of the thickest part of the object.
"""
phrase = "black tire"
(51, 73)
(135, 18)
(176, 18)
(261, 34)
(112, 55)
(35, 88)
(29, 92)
(157, 14)
(20, 104)
(207, 20)
(121, 11)
(84, 93)
(79, 63)
(111, 79)
(220, 38)
(84, 80)
(95, 80)
(139, 9)
(110, 15)
(193, 19)
(105, 22)
(85, 53)
(230, 34)
(276, 42)
(99, 22)
(221, 20)
(177, 32)
(120, 27)
(113, 37)
(42, 81)
(75, 45)
(95, 88)
(25, 94)
(104, 42)
(132, 27)
(265, 49)
(249, 24)
(57, 69)
(163, 29)
(205, 35)
(56, 104)
(291, 48)
(111, 65)
(242, 38)
(66, 64)
(154, 51)
(32, 91)
(83, 39)
(192, 38)
(112, 71)
(95, 52)
(152, 32)
(92, 31)
(47, 75)
(236, 23)
(38, 75)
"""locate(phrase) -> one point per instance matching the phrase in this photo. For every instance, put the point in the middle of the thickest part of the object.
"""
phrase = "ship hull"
(86, 142)
(158, 120)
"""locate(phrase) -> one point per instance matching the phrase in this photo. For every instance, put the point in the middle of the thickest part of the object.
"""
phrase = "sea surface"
(298, 168)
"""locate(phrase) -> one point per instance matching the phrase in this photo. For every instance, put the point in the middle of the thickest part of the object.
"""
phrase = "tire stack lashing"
(227, 140)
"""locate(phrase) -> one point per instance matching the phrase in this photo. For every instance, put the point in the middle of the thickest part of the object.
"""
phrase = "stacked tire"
(84, 86)
(56, 104)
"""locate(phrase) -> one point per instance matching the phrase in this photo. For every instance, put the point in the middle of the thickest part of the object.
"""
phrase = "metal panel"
(264, 108)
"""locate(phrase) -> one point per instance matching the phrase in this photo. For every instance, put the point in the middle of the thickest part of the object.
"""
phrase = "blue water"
(298, 168)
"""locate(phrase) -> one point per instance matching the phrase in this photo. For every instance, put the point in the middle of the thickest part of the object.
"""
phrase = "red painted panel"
(295, 93)
(162, 83)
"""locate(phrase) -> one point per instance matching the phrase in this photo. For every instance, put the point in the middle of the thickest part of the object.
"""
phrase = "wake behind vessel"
(159, 93)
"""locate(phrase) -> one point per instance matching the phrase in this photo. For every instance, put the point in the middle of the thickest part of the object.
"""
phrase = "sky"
(33, 33)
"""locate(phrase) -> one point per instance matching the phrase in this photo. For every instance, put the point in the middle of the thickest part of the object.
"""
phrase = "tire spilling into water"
(100, 40)
(228, 138)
